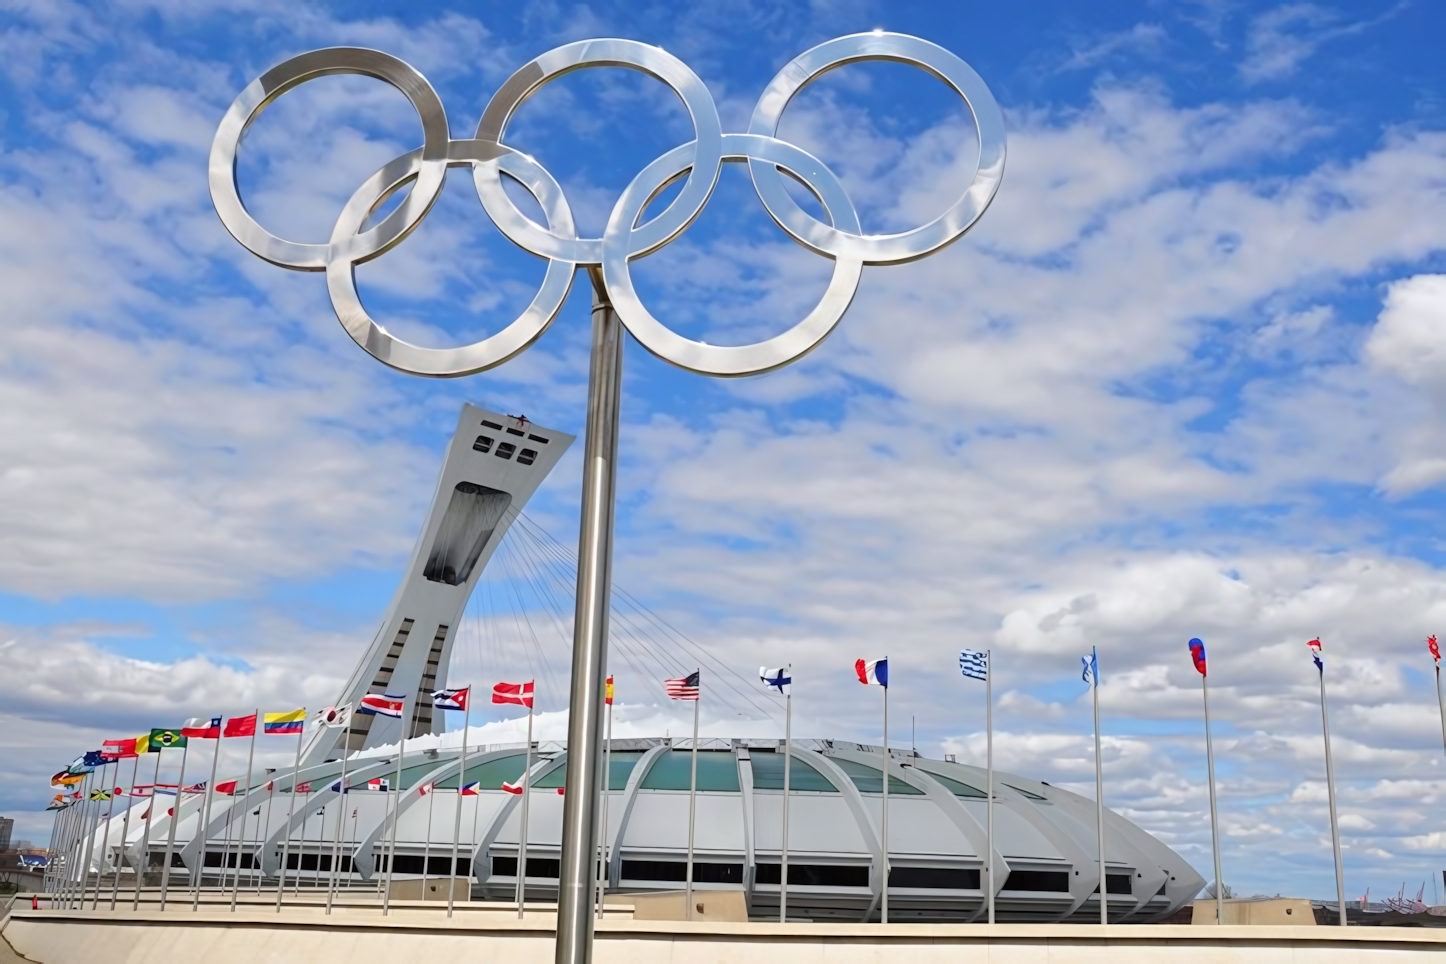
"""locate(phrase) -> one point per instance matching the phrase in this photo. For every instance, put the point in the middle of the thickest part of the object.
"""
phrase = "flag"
(118, 792)
(227, 787)
(452, 699)
(333, 716)
(66, 779)
(1314, 647)
(470, 789)
(424, 788)
(1091, 674)
(776, 678)
(281, 724)
(513, 788)
(94, 758)
(379, 783)
(683, 688)
(303, 788)
(202, 729)
(608, 692)
(195, 787)
(240, 726)
(873, 672)
(58, 802)
(164, 738)
(143, 744)
(1435, 650)
(382, 704)
(338, 788)
(141, 790)
(519, 693)
(1197, 653)
(100, 794)
(119, 749)
(974, 664)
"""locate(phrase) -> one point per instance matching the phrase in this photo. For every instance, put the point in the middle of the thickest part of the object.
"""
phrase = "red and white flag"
(382, 704)
(519, 693)
(683, 688)
(303, 788)
(202, 729)
(513, 788)
(1434, 648)
(226, 786)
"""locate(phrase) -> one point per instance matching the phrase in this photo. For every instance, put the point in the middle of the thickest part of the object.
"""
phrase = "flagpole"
(606, 785)
(105, 845)
(301, 847)
(71, 836)
(457, 817)
(526, 799)
(1100, 789)
(692, 804)
(250, 759)
(427, 847)
(175, 819)
(884, 823)
(989, 767)
(125, 830)
(1331, 795)
(77, 845)
(1214, 815)
(1440, 702)
(201, 831)
(290, 815)
(89, 842)
(263, 826)
(397, 809)
(787, 764)
(146, 834)
(340, 819)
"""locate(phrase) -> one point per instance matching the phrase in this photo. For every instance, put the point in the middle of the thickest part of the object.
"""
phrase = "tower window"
(483, 443)
(527, 456)
(516, 431)
(492, 425)
(505, 450)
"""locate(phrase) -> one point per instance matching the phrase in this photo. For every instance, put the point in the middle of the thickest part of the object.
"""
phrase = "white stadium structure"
(1045, 838)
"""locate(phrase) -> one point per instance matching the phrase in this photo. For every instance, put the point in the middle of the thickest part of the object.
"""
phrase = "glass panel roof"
(768, 774)
(717, 771)
(870, 780)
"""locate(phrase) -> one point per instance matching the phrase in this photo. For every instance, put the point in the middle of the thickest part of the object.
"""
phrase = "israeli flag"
(776, 678)
(974, 665)
(1091, 674)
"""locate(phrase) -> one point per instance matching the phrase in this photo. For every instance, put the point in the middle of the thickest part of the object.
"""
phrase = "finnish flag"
(776, 678)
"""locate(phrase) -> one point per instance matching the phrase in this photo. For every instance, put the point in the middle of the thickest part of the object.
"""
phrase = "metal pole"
(457, 818)
(787, 762)
(427, 845)
(83, 883)
(343, 799)
(396, 810)
(1100, 791)
(171, 831)
(1331, 794)
(590, 631)
(692, 811)
(125, 831)
(246, 792)
(606, 785)
(200, 880)
(146, 834)
(989, 767)
(526, 799)
(105, 844)
(1214, 815)
(1442, 704)
(263, 827)
(301, 847)
(290, 815)
(884, 839)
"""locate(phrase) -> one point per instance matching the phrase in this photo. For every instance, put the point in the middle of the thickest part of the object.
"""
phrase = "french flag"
(382, 704)
(873, 672)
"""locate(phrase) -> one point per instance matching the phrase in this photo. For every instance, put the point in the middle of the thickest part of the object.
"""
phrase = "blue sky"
(1182, 379)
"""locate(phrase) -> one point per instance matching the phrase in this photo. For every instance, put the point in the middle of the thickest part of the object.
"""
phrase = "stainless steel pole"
(606, 793)
(787, 762)
(1331, 795)
(200, 880)
(692, 812)
(245, 793)
(427, 844)
(989, 767)
(146, 834)
(1100, 793)
(590, 632)
(396, 814)
(105, 844)
(526, 799)
(171, 831)
(290, 815)
(457, 817)
(1214, 815)
(1440, 702)
(343, 799)
(83, 883)
(120, 856)
(884, 839)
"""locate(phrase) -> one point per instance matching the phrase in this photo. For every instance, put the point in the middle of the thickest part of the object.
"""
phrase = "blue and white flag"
(872, 672)
(1091, 674)
(973, 664)
(776, 678)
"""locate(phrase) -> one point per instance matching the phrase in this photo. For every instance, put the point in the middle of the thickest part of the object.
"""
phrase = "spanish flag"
(608, 693)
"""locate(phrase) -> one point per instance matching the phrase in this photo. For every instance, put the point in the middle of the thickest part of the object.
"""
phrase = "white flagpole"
(396, 810)
(90, 829)
(1440, 702)
(1214, 815)
(427, 847)
(692, 804)
(526, 799)
(989, 766)
(457, 817)
(1099, 788)
(175, 819)
(290, 815)
(146, 834)
(1331, 795)
(83, 844)
(105, 844)
(787, 762)
(301, 847)
(606, 785)
(343, 797)
(263, 826)
(246, 792)
(884, 823)
(200, 880)
(125, 831)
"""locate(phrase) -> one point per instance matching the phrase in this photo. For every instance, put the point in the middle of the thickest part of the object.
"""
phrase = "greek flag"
(1091, 674)
(974, 665)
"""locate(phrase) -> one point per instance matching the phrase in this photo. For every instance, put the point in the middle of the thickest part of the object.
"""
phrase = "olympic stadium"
(1045, 842)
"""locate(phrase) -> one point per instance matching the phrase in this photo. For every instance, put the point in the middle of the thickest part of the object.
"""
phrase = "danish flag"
(519, 693)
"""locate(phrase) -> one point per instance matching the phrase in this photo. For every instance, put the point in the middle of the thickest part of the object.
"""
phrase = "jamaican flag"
(160, 739)
(100, 794)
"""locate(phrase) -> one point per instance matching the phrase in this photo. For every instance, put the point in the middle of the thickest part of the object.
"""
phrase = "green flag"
(164, 738)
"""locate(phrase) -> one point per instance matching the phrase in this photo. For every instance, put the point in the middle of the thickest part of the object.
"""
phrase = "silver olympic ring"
(699, 161)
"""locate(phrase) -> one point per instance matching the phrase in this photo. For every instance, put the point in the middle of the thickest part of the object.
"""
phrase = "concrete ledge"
(82, 937)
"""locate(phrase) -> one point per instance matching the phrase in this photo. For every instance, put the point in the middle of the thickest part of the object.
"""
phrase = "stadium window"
(527, 456)
(816, 875)
(1038, 881)
(483, 443)
(505, 450)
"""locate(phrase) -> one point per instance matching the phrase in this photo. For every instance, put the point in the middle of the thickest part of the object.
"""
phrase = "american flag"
(684, 688)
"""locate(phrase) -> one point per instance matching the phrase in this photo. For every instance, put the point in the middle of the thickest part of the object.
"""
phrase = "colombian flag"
(280, 724)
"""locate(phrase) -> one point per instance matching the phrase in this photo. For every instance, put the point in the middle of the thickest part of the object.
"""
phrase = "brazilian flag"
(163, 738)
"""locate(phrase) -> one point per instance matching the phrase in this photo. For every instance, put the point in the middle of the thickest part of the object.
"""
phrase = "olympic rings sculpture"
(699, 161)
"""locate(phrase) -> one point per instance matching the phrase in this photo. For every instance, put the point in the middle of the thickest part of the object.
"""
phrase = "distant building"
(7, 826)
